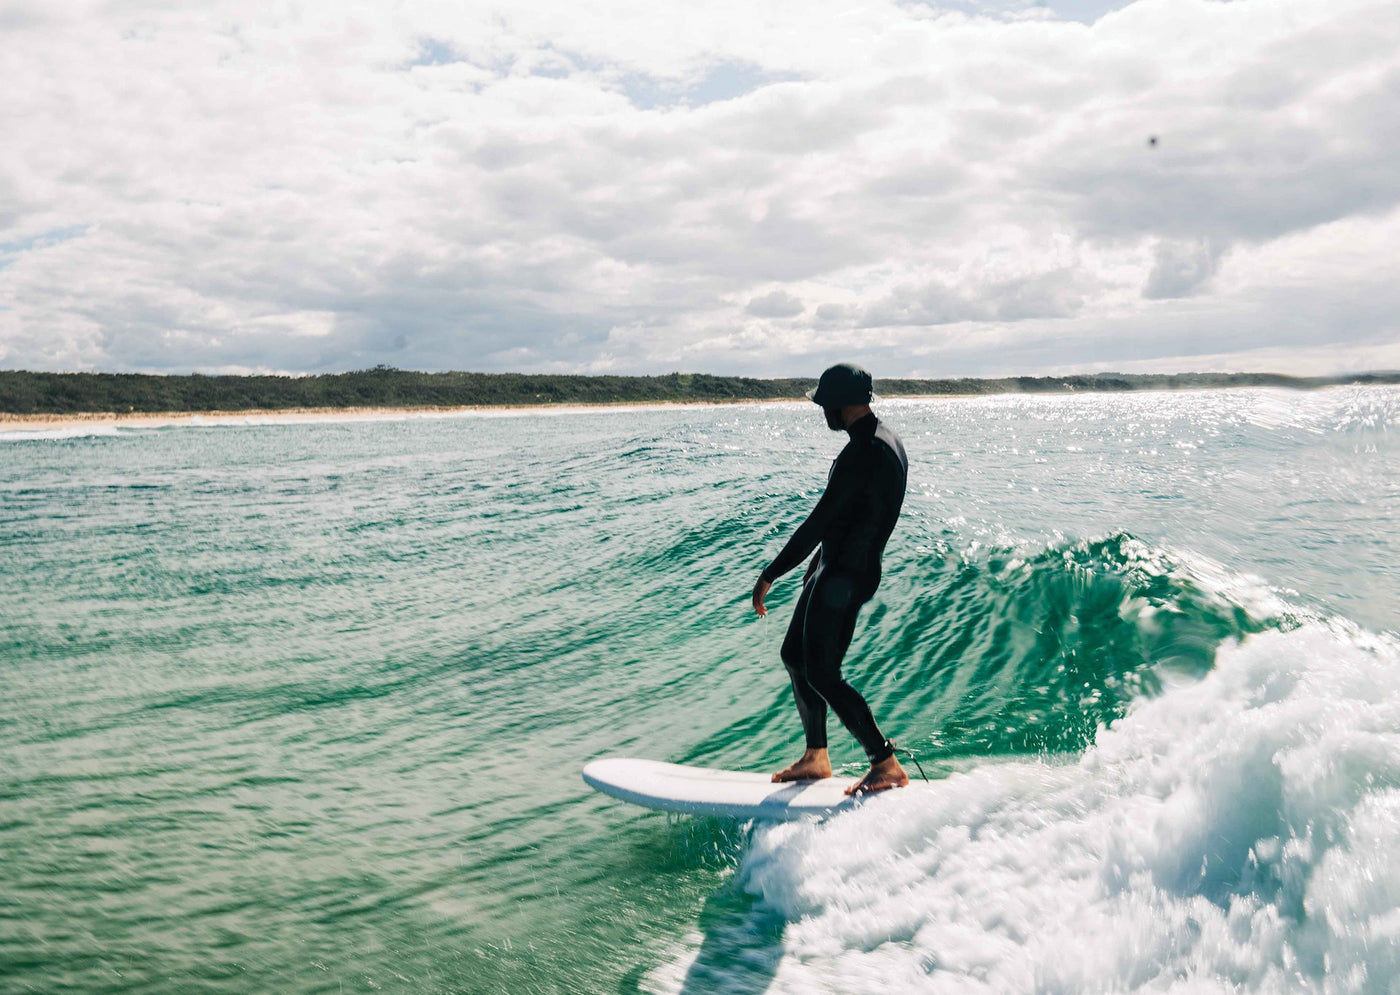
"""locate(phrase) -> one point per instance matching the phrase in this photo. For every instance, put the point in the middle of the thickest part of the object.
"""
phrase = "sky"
(754, 187)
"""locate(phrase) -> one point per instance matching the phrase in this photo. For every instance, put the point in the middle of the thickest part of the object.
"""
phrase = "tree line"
(26, 392)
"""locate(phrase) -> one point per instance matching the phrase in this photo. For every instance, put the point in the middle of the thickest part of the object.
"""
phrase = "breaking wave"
(1238, 831)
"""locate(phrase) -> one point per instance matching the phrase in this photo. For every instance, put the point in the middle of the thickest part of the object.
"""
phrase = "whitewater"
(302, 706)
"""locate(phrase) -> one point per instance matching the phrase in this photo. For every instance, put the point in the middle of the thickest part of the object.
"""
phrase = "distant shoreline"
(48, 401)
(70, 420)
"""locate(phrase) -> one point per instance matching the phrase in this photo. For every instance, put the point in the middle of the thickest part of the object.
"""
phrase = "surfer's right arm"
(844, 483)
(762, 586)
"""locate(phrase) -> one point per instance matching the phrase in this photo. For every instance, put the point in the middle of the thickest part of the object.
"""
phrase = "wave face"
(302, 707)
(1238, 833)
(994, 652)
(1063, 640)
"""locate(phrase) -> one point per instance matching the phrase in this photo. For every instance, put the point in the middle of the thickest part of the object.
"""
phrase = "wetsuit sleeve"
(845, 482)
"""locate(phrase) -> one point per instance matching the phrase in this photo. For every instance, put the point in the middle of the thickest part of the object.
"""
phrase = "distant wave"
(51, 434)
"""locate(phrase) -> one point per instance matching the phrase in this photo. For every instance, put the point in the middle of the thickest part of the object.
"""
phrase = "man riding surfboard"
(851, 524)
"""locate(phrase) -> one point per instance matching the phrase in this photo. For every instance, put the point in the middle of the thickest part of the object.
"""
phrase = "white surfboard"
(707, 791)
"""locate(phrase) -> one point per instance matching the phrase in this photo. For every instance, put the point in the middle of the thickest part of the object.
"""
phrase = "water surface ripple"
(302, 706)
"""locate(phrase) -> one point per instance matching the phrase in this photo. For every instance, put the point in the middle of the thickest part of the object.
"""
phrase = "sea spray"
(1239, 831)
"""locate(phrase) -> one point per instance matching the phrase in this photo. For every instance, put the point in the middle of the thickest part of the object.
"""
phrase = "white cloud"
(775, 304)
(1181, 267)
(753, 187)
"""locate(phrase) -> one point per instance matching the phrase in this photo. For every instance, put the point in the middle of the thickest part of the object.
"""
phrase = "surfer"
(851, 524)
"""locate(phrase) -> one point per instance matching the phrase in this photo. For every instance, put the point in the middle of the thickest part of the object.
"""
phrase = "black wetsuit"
(852, 522)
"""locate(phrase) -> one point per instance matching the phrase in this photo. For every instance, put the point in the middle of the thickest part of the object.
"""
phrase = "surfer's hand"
(759, 590)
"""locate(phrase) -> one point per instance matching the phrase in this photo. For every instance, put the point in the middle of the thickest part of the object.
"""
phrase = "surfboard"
(708, 791)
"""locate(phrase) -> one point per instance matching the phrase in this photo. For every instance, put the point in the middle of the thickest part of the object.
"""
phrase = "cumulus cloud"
(775, 304)
(1181, 267)
(754, 187)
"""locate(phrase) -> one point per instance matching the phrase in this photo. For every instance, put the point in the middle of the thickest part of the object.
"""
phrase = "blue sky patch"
(723, 81)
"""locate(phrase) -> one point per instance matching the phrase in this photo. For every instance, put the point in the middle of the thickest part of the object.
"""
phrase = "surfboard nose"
(597, 773)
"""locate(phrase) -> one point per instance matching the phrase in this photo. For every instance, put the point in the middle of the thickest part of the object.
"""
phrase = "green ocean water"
(302, 706)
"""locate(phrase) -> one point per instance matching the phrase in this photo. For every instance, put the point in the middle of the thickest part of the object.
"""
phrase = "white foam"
(1240, 833)
(1253, 593)
(67, 432)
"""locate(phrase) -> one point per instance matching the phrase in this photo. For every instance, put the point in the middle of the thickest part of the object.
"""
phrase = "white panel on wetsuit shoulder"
(707, 791)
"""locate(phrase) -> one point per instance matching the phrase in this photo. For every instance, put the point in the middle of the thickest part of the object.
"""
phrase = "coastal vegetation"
(34, 393)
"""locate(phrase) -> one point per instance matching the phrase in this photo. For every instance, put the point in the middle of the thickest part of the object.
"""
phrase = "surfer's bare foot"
(815, 764)
(881, 777)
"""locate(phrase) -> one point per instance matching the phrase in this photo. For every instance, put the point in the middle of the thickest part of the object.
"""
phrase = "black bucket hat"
(842, 384)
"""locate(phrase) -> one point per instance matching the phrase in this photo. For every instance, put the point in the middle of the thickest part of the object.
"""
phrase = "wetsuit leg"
(829, 622)
(811, 707)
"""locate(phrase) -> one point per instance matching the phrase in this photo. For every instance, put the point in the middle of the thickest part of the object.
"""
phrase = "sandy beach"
(11, 422)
